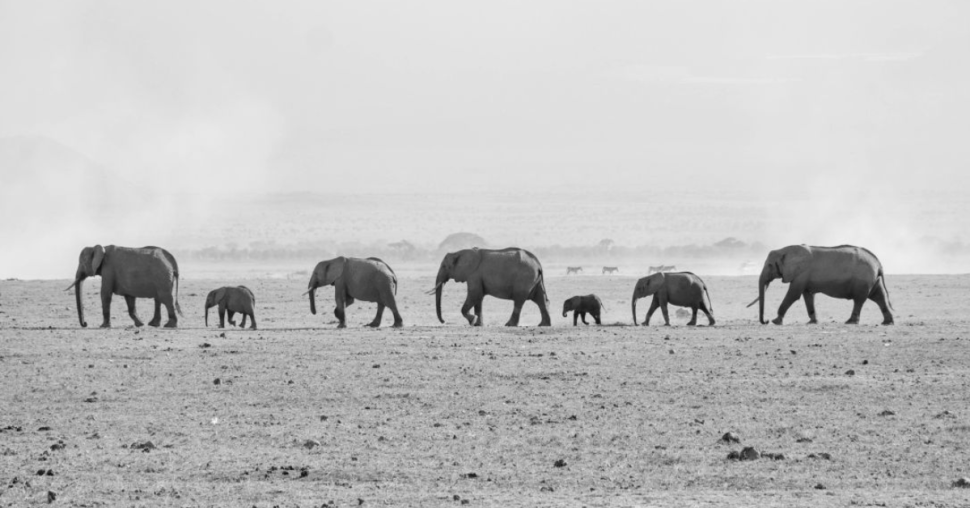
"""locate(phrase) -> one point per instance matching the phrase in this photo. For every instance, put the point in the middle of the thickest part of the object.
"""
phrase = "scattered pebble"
(730, 437)
(850, 372)
(559, 463)
(962, 483)
(887, 412)
(311, 444)
(819, 486)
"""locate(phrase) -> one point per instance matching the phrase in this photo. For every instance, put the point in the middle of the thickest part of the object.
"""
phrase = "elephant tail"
(885, 289)
(710, 303)
(178, 308)
(540, 285)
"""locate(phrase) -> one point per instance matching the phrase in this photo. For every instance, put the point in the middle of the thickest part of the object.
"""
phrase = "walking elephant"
(582, 305)
(367, 280)
(847, 272)
(683, 289)
(510, 274)
(232, 299)
(148, 272)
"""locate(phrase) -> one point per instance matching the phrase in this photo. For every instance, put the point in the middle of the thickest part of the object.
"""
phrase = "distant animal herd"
(846, 272)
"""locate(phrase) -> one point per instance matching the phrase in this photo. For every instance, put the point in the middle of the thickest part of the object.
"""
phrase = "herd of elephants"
(845, 271)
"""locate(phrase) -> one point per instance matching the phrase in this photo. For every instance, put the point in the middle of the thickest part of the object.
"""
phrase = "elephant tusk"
(307, 292)
(754, 302)
(71, 286)
(432, 290)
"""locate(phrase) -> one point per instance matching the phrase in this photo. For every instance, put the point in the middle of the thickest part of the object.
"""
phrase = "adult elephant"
(367, 280)
(146, 272)
(510, 274)
(848, 272)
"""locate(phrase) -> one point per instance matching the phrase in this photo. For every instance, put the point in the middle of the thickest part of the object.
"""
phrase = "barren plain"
(298, 413)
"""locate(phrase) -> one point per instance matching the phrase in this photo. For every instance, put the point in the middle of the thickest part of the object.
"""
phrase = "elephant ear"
(333, 270)
(465, 264)
(96, 259)
(792, 263)
(222, 295)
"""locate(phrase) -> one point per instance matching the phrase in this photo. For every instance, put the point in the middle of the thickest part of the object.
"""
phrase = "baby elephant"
(232, 299)
(682, 289)
(581, 305)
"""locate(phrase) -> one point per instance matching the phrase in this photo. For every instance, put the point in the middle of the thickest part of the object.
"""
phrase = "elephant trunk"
(763, 282)
(633, 304)
(439, 283)
(564, 311)
(312, 287)
(80, 306)
(207, 315)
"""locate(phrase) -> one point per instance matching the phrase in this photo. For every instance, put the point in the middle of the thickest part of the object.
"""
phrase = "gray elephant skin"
(683, 289)
(232, 299)
(367, 280)
(846, 271)
(147, 272)
(510, 274)
(582, 305)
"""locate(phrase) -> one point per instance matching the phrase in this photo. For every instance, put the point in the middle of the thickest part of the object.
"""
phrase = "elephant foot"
(252, 327)
(398, 324)
(342, 325)
(546, 322)
(888, 322)
(666, 324)
(778, 320)
(812, 321)
(472, 320)
(711, 322)
(374, 324)
(852, 321)
(692, 323)
(155, 322)
(171, 324)
(139, 324)
(105, 325)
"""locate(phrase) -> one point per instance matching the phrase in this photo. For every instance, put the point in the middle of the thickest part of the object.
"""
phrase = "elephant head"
(786, 263)
(216, 296)
(324, 274)
(459, 266)
(88, 265)
(646, 286)
(568, 305)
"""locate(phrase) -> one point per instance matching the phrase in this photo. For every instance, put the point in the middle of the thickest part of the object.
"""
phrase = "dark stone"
(730, 437)
(559, 463)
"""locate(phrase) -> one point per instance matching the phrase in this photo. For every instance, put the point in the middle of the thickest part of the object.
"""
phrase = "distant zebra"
(610, 269)
(661, 268)
(573, 269)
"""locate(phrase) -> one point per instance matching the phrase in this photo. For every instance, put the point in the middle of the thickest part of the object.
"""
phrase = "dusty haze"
(340, 125)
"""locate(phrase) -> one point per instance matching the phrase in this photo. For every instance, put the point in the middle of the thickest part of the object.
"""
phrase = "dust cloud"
(697, 133)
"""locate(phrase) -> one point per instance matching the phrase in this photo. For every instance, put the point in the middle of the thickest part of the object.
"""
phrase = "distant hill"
(38, 167)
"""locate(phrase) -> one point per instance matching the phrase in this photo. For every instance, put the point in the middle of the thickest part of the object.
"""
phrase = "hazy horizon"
(824, 122)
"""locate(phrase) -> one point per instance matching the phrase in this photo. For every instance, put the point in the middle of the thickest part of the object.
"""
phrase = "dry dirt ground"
(298, 413)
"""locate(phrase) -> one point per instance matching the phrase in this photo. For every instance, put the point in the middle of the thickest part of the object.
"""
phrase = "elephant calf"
(682, 289)
(232, 299)
(582, 305)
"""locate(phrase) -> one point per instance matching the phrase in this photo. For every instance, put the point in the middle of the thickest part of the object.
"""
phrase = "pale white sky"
(841, 100)
(257, 95)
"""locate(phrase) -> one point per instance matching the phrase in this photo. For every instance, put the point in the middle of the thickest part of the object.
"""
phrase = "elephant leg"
(341, 311)
(707, 312)
(516, 311)
(252, 319)
(856, 310)
(230, 316)
(596, 317)
(654, 304)
(810, 307)
(575, 318)
(130, 300)
(540, 298)
(391, 304)
(479, 319)
(693, 317)
(106, 305)
(376, 323)
(157, 317)
(222, 315)
(242, 323)
(169, 303)
(663, 309)
(582, 315)
(471, 302)
(792, 296)
(878, 295)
